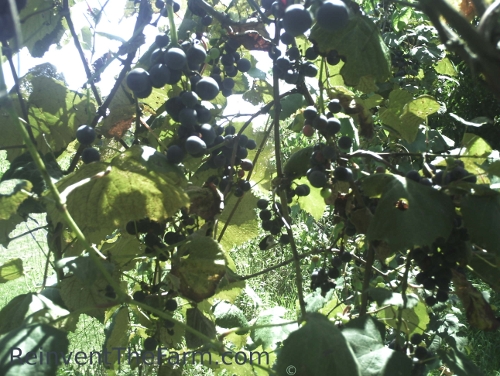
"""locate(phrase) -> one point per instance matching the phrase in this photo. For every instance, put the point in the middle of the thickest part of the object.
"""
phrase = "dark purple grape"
(345, 142)
(85, 134)
(175, 58)
(195, 145)
(138, 80)
(90, 155)
(296, 20)
(175, 154)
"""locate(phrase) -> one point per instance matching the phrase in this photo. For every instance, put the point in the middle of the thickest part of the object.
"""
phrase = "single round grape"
(150, 344)
(265, 215)
(251, 144)
(162, 40)
(139, 296)
(342, 173)
(196, 54)
(207, 88)
(175, 58)
(262, 203)
(287, 38)
(334, 106)
(442, 296)
(90, 155)
(244, 65)
(416, 338)
(159, 75)
(175, 154)
(297, 20)
(302, 190)
(345, 142)
(138, 80)
(195, 145)
(332, 15)
(310, 113)
(317, 179)
(171, 305)
(85, 134)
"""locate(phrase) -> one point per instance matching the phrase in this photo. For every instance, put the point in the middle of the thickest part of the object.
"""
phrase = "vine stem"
(171, 22)
(279, 170)
(370, 258)
(60, 204)
(404, 286)
(67, 14)
(283, 263)
(263, 110)
(24, 110)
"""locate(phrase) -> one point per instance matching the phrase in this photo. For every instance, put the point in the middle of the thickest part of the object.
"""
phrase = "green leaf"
(481, 215)
(268, 337)
(12, 193)
(362, 45)
(86, 38)
(385, 297)
(429, 215)
(243, 224)
(116, 334)
(142, 183)
(446, 67)
(200, 268)
(486, 267)
(423, 106)
(289, 105)
(229, 316)
(458, 362)
(415, 319)
(298, 163)
(54, 112)
(365, 335)
(87, 293)
(111, 36)
(313, 203)
(34, 308)
(327, 352)
(11, 270)
(198, 321)
(43, 27)
(260, 93)
(35, 339)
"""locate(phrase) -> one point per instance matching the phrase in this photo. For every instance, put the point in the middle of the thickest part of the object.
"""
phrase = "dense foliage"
(367, 175)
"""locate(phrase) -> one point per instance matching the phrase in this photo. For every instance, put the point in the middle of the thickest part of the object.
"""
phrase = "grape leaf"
(362, 45)
(54, 112)
(429, 214)
(365, 336)
(142, 183)
(44, 28)
(327, 351)
(13, 193)
(34, 308)
(200, 268)
(11, 270)
(269, 336)
(243, 224)
(116, 334)
(481, 215)
(198, 321)
(36, 339)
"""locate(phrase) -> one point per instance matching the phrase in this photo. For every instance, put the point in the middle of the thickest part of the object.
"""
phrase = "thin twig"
(370, 258)
(67, 14)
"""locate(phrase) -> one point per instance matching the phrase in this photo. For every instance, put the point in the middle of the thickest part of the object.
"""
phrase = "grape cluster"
(86, 135)
(454, 172)
(271, 222)
(227, 64)
(296, 19)
(7, 30)
(404, 64)
(324, 278)
(437, 262)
